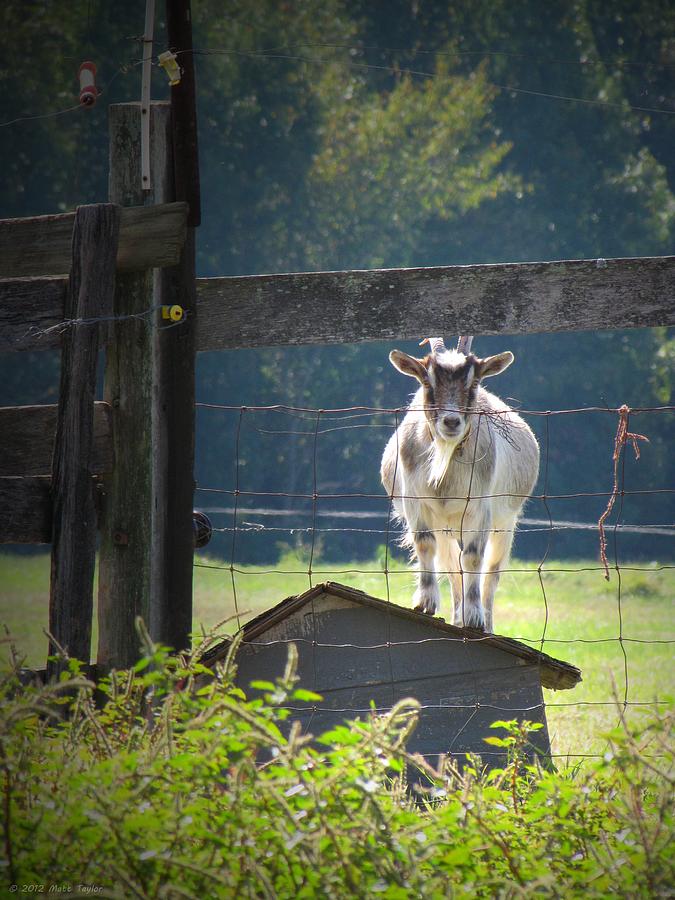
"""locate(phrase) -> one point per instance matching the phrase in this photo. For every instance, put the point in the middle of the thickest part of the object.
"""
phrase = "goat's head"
(450, 379)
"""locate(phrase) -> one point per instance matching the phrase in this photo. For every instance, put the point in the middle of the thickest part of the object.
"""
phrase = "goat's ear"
(409, 365)
(493, 365)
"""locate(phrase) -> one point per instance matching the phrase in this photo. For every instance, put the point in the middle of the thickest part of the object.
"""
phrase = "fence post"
(176, 352)
(174, 434)
(90, 294)
(125, 576)
(173, 426)
(146, 541)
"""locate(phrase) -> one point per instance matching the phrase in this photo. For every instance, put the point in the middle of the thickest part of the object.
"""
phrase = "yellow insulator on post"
(174, 313)
(169, 63)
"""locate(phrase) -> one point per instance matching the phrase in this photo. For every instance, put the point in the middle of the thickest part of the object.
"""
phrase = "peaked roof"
(555, 673)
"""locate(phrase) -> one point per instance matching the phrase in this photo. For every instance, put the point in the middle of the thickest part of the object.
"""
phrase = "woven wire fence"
(282, 529)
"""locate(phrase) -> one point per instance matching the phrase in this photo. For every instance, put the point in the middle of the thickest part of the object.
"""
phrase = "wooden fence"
(125, 465)
(67, 470)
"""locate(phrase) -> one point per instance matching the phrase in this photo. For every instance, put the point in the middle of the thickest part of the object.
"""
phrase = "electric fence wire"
(398, 70)
(124, 69)
(274, 53)
(394, 69)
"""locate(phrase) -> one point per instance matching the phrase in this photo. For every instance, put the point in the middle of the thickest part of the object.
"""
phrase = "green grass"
(586, 615)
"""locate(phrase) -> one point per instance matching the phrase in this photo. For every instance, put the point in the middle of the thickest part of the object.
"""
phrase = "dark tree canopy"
(342, 134)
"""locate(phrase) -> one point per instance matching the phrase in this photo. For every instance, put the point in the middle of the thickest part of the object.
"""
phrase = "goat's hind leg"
(448, 557)
(475, 532)
(427, 597)
(497, 555)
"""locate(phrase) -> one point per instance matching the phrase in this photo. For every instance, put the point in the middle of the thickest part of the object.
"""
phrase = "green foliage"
(180, 786)
(393, 164)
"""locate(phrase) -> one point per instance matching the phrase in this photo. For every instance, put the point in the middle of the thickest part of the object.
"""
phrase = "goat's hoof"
(474, 619)
(426, 605)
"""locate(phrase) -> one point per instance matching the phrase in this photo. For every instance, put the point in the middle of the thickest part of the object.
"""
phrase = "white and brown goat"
(459, 469)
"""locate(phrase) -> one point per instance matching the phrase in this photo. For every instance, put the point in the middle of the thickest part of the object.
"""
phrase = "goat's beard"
(439, 459)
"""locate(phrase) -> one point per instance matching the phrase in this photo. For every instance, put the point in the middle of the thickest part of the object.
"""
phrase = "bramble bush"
(180, 786)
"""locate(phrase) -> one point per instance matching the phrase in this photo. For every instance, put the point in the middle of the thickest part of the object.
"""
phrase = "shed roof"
(554, 673)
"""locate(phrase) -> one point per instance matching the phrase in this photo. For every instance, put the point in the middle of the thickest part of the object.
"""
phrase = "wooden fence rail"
(150, 237)
(27, 440)
(394, 304)
(389, 304)
(32, 298)
(26, 509)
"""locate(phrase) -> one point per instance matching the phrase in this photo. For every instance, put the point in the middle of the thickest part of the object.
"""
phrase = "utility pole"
(175, 374)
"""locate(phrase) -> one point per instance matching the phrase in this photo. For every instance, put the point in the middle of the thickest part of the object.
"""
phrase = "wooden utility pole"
(184, 109)
(148, 542)
(172, 623)
(126, 567)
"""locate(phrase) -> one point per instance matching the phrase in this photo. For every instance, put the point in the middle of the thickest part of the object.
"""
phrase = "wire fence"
(297, 477)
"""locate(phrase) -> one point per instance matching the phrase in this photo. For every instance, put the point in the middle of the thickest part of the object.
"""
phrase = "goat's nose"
(451, 422)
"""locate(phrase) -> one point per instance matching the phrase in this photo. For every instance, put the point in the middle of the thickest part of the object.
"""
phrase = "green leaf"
(142, 664)
(305, 695)
(509, 726)
(263, 686)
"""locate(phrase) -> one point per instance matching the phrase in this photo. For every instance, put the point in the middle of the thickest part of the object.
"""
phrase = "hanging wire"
(618, 572)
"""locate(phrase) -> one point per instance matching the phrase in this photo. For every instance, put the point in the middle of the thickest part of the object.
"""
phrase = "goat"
(458, 469)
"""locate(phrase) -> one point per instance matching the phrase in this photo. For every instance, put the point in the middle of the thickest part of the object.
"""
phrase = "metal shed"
(355, 650)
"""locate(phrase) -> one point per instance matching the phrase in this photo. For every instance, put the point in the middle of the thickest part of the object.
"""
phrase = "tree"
(338, 134)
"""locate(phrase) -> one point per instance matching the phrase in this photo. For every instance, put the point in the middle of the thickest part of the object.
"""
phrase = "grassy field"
(569, 605)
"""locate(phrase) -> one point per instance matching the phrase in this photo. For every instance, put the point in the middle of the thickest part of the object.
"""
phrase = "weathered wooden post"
(90, 294)
(146, 542)
(125, 575)
(177, 350)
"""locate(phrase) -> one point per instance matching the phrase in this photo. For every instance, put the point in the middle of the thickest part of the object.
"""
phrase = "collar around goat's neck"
(460, 447)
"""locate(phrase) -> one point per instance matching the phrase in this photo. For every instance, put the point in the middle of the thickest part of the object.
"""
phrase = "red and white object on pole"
(88, 89)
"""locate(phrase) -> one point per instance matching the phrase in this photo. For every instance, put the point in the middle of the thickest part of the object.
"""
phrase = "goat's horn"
(436, 344)
(464, 343)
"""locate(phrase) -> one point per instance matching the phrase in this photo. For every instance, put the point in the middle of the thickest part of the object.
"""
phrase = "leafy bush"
(179, 786)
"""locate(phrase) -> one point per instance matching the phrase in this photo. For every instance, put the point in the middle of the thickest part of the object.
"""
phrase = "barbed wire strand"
(383, 410)
(259, 528)
(475, 638)
(361, 495)
(354, 570)
(35, 333)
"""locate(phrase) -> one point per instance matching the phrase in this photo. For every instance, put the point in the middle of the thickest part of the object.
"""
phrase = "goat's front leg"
(469, 610)
(427, 597)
